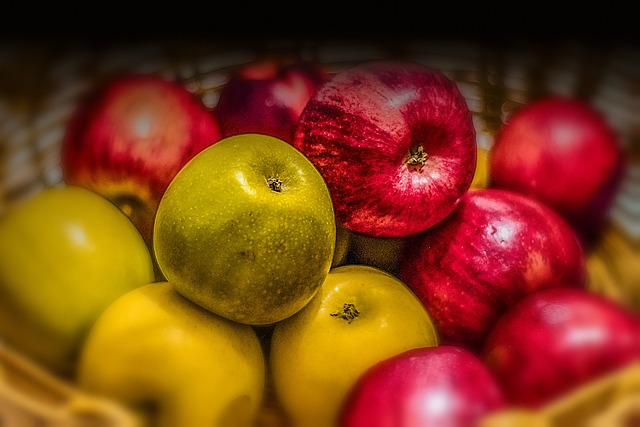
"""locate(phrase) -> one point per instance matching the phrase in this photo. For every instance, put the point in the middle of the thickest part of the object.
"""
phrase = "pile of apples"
(320, 237)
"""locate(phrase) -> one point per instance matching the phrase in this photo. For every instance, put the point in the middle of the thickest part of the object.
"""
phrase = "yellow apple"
(65, 254)
(173, 362)
(361, 316)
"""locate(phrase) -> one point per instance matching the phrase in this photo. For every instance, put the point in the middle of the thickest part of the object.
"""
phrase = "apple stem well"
(348, 312)
(274, 183)
(416, 158)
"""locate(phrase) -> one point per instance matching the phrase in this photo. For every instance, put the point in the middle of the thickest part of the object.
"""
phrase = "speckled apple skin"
(131, 136)
(268, 96)
(556, 340)
(495, 248)
(563, 152)
(358, 130)
(436, 386)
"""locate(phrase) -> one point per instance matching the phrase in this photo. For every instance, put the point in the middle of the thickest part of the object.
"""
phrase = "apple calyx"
(274, 183)
(416, 158)
(348, 312)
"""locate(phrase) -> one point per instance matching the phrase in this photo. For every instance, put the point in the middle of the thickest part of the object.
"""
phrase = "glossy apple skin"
(495, 248)
(317, 354)
(556, 340)
(444, 386)
(359, 130)
(268, 96)
(129, 138)
(563, 152)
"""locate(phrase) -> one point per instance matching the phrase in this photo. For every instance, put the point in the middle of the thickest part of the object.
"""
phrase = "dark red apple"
(268, 96)
(563, 152)
(556, 340)
(495, 248)
(129, 138)
(395, 143)
(441, 386)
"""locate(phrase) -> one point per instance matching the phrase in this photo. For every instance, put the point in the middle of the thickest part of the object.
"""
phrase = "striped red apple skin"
(494, 249)
(395, 143)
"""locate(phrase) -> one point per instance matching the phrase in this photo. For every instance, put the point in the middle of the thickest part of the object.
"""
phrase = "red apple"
(494, 249)
(268, 96)
(563, 152)
(129, 138)
(556, 340)
(443, 386)
(395, 143)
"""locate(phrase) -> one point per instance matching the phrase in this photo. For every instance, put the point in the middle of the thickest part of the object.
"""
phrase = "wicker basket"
(41, 85)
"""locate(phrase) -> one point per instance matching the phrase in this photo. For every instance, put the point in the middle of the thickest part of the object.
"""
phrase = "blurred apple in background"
(556, 340)
(359, 317)
(563, 152)
(443, 386)
(129, 138)
(173, 362)
(65, 254)
(494, 249)
(267, 96)
(395, 142)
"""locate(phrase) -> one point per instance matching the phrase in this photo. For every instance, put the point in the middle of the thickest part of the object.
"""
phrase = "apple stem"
(274, 183)
(348, 312)
(416, 158)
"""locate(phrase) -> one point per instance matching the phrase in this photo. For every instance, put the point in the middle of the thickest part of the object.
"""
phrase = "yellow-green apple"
(130, 136)
(65, 254)
(431, 386)
(494, 249)
(556, 340)
(361, 316)
(172, 362)
(267, 96)
(247, 229)
(395, 142)
(564, 152)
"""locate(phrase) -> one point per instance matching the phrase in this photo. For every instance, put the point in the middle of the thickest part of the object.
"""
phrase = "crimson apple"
(556, 340)
(129, 138)
(562, 151)
(268, 96)
(443, 386)
(395, 143)
(496, 247)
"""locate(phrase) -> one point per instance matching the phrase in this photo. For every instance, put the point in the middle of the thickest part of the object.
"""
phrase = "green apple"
(361, 316)
(247, 229)
(65, 254)
(172, 362)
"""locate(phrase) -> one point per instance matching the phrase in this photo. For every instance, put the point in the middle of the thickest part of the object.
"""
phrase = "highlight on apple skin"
(268, 95)
(556, 340)
(130, 137)
(395, 142)
(563, 152)
(429, 386)
(495, 248)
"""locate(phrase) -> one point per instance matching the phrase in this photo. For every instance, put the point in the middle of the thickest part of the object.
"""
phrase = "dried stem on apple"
(416, 158)
(348, 312)
(274, 183)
